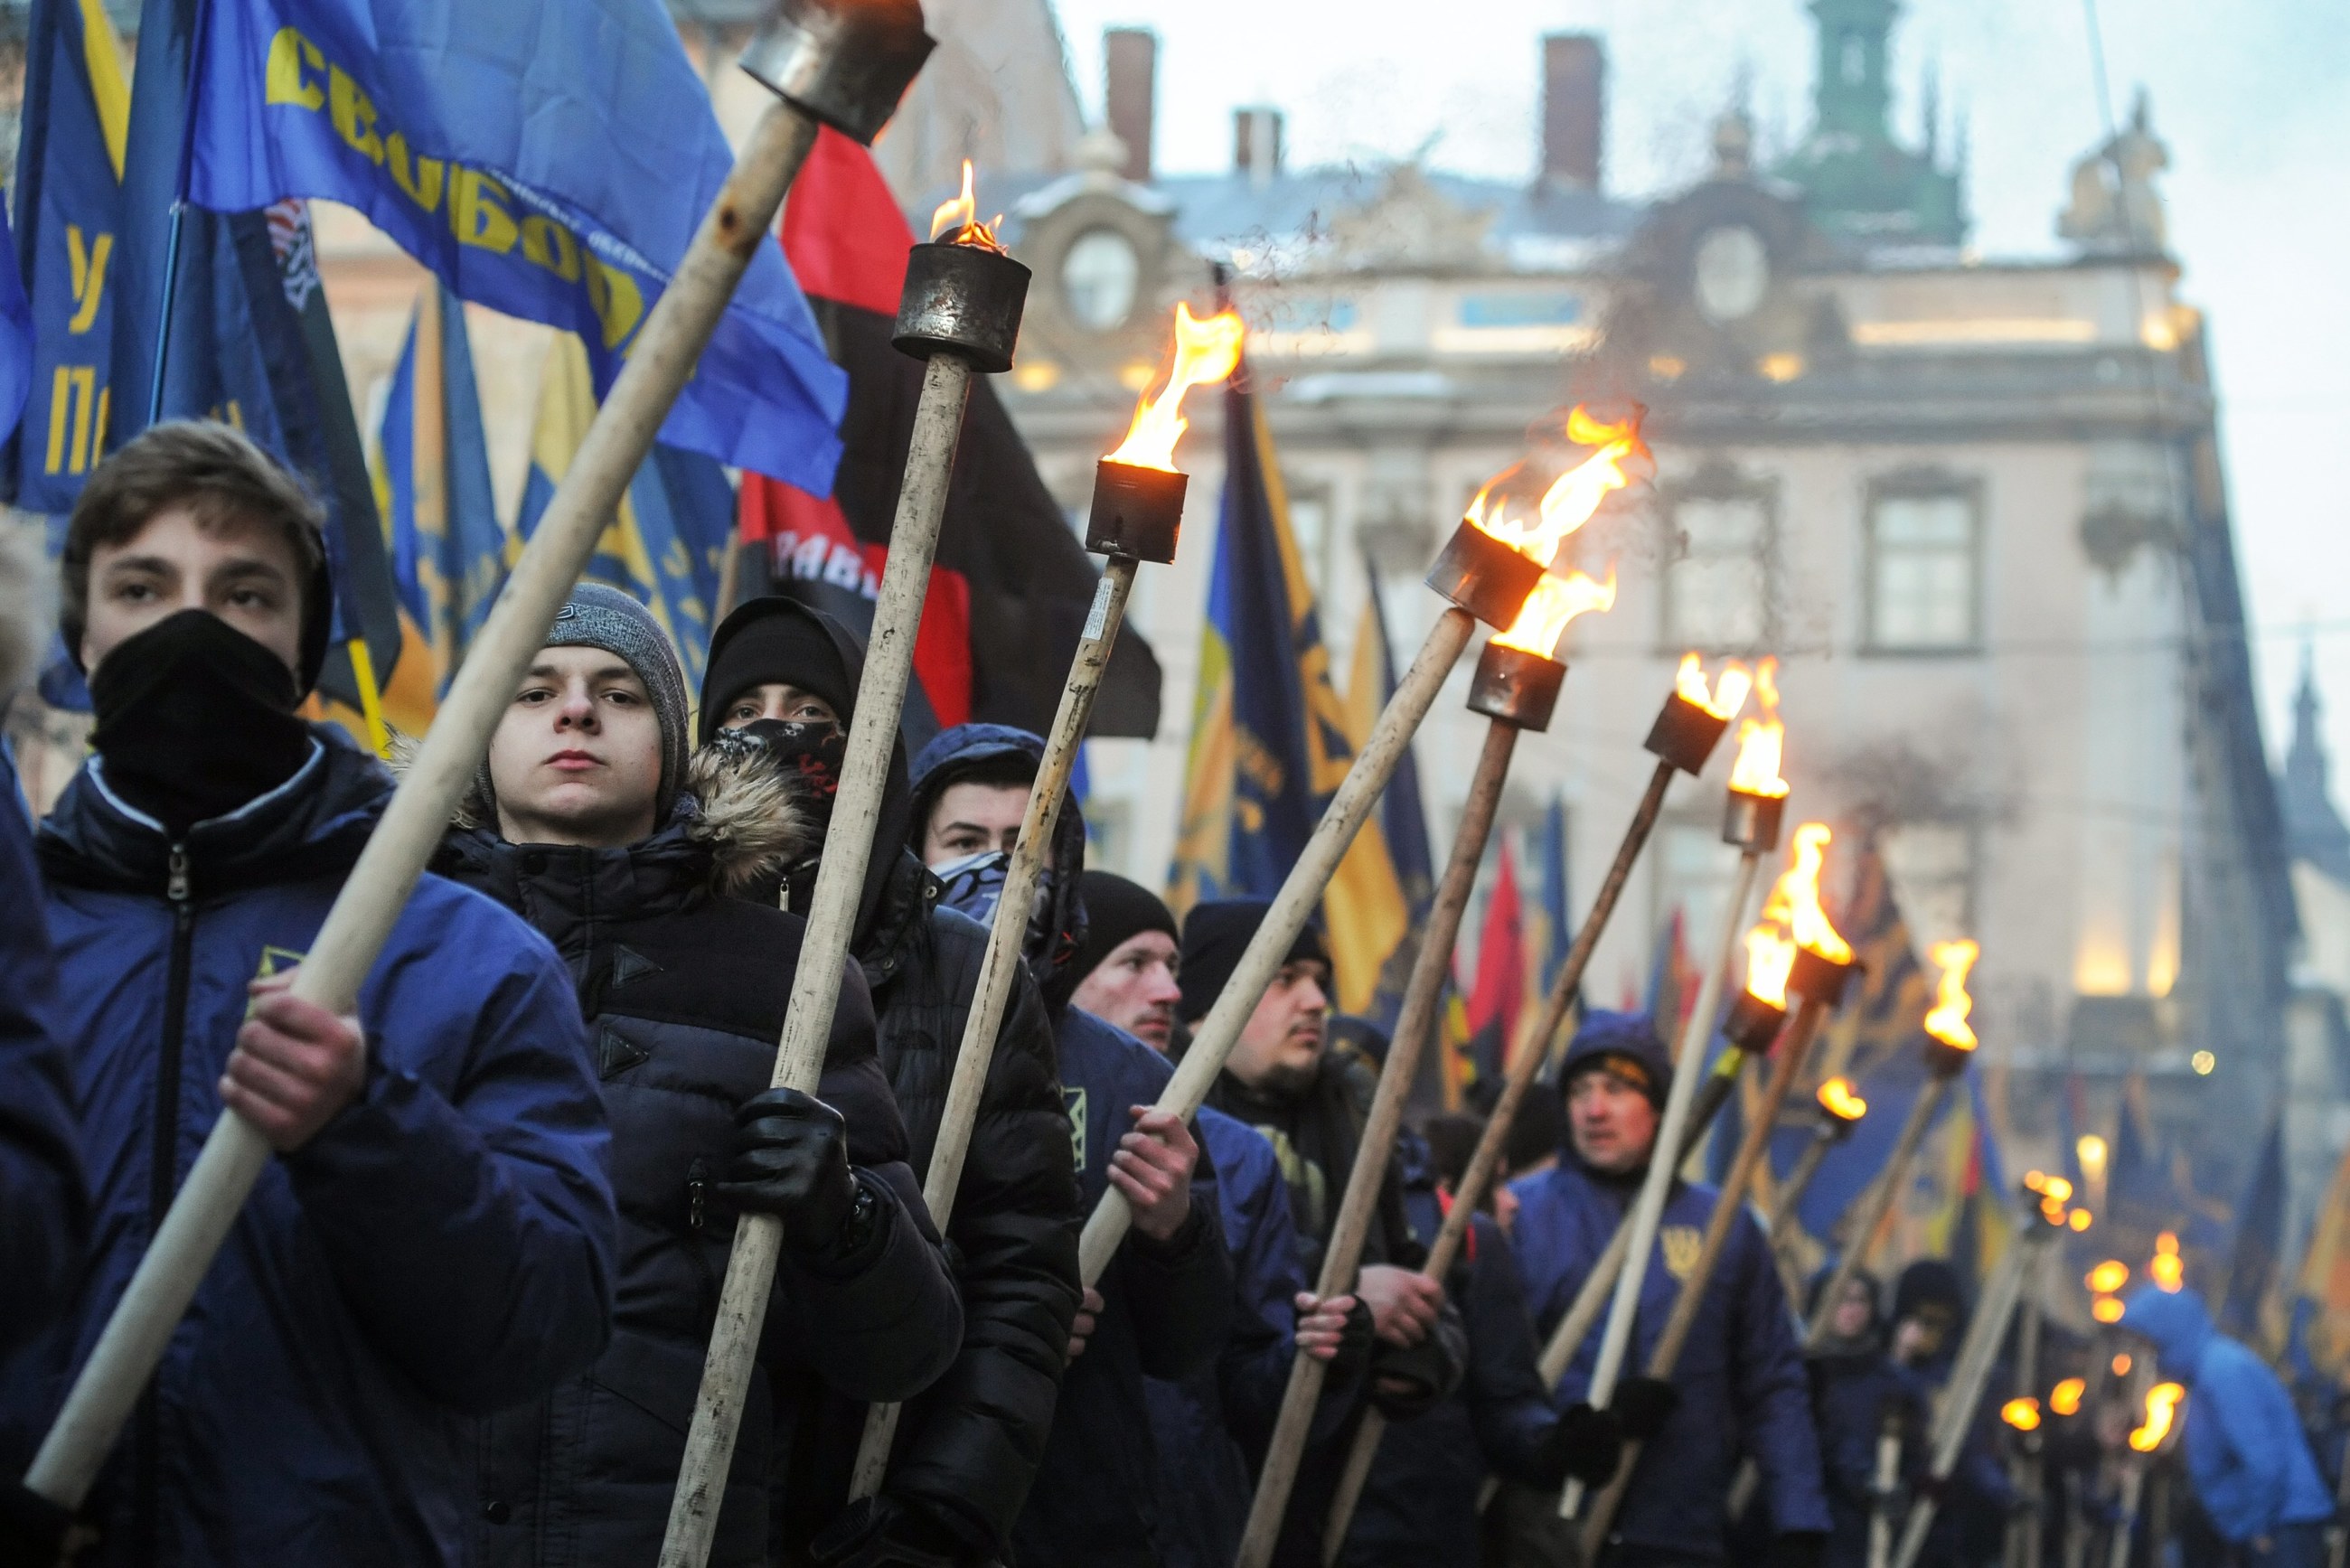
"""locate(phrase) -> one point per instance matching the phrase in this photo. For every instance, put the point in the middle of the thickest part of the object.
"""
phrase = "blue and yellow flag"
(669, 540)
(1386, 884)
(550, 158)
(432, 484)
(68, 246)
(1270, 742)
(1552, 931)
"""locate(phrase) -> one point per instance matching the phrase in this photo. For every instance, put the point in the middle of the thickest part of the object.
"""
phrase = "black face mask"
(812, 753)
(195, 719)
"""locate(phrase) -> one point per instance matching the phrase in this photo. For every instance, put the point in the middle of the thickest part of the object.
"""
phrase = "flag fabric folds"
(550, 158)
(2251, 1309)
(15, 334)
(432, 483)
(670, 536)
(1269, 736)
(1011, 584)
(1499, 996)
(2320, 1306)
(76, 120)
(1386, 883)
(1552, 931)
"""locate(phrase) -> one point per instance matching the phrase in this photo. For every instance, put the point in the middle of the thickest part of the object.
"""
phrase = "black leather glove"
(1355, 1342)
(1644, 1405)
(33, 1530)
(879, 1532)
(1587, 1445)
(1798, 1548)
(791, 1160)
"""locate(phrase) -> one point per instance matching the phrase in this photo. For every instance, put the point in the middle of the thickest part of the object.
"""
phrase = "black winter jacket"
(1102, 1497)
(684, 992)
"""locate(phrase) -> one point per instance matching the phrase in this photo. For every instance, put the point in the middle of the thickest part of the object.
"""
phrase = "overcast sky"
(2253, 95)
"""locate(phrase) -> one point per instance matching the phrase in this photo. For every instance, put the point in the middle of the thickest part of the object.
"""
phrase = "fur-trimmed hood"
(744, 817)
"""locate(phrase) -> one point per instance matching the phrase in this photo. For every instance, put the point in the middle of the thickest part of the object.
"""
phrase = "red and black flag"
(1009, 594)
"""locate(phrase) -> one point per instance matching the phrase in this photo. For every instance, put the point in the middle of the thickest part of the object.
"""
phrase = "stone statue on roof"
(2114, 209)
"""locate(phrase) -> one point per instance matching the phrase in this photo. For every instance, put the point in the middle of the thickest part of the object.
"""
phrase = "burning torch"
(1516, 687)
(959, 312)
(2027, 1465)
(2153, 1437)
(828, 62)
(1840, 1110)
(1137, 512)
(1795, 948)
(1951, 1043)
(1978, 1354)
(1489, 571)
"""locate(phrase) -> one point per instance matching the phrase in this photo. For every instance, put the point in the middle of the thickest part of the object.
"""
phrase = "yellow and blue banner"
(433, 483)
(67, 248)
(1386, 885)
(1271, 740)
(550, 158)
(670, 539)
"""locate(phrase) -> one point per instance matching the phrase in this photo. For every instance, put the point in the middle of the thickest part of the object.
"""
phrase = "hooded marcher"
(1310, 1103)
(1419, 1505)
(1208, 1425)
(434, 1238)
(1739, 1390)
(590, 821)
(1855, 1393)
(1929, 1320)
(2247, 1458)
(1163, 1305)
(41, 1188)
(966, 1449)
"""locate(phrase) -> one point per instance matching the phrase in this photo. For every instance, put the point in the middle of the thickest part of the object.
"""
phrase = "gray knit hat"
(597, 615)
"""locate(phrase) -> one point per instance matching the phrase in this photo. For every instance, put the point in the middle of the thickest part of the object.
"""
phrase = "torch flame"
(1572, 498)
(2107, 1309)
(1769, 960)
(1838, 1100)
(1948, 1019)
(962, 214)
(2161, 1409)
(2108, 1277)
(2065, 1397)
(1794, 901)
(2023, 1415)
(1762, 741)
(1729, 693)
(2080, 1219)
(2167, 1269)
(1205, 353)
(1541, 620)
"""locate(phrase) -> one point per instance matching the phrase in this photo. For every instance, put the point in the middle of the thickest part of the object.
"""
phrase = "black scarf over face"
(195, 719)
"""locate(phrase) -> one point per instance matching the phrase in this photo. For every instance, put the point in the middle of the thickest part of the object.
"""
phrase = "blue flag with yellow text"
(67, 246)
(550, 158)
(1269, 736)
(433, 479)
(670, 537)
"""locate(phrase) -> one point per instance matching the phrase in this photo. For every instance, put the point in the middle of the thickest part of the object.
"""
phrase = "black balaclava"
(195, 719)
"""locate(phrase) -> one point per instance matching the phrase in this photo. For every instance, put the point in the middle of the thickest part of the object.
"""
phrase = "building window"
(1718, 574)
(1924, 593)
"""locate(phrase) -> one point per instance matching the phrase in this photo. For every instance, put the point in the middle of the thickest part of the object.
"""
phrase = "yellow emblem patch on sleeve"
(1681, 1244)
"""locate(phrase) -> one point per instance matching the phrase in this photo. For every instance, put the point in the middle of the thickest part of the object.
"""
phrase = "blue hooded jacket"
(1744, 1389)
(443, 1246)
(2245, 1451)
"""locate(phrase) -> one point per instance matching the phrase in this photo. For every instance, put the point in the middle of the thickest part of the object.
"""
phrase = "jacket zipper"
(163, 1166)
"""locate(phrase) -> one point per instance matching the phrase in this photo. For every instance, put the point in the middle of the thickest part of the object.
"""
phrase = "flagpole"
(173, 239)
(1517, 691)
(1138, 514)
(1821, 982)
(132, 1342)
(960, 311)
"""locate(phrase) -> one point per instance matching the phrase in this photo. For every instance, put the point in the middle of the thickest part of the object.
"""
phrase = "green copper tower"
(1858, 183)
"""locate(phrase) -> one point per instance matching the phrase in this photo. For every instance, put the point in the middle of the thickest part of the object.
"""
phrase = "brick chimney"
(1256, 143)
(1131, 62)
(1575, 110)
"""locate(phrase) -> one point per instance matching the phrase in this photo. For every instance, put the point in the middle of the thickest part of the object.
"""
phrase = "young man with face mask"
(434, 1238)
(1163, 1307)
(589, 820)
(1740, 1389)
(967, 1449)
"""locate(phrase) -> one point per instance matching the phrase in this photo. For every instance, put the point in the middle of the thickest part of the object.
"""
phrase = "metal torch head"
(1484, 577)
(1820, 980)
(961, 299)
(1944, 1060)
(1753, 1024)
(843, 62)
(1751, 821)
(1684, 734)
(1137, 511)
(1516, 687)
